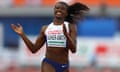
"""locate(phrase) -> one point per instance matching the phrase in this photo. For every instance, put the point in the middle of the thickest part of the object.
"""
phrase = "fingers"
(17, 28)
(13, 26)
(19, 25)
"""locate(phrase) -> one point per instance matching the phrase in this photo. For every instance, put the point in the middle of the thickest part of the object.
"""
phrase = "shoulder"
(44, 28)
(70, 24)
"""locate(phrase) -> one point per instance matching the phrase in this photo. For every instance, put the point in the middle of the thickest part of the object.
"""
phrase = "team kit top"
(55, 36)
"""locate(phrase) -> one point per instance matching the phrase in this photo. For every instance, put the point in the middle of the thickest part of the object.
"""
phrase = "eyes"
(61, 7)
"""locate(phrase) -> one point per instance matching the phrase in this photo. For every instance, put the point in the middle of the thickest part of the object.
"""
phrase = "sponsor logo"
(63, 66)
(55, 32)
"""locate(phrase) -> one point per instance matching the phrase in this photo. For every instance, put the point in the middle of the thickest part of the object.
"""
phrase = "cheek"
(65, 13)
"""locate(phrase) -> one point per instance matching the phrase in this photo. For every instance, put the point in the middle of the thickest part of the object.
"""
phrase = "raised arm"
(32, 47)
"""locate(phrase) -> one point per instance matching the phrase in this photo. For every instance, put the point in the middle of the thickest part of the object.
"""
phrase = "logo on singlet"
(63, 66)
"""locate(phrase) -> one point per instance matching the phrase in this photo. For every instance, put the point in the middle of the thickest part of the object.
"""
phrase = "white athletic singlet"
(55, 36)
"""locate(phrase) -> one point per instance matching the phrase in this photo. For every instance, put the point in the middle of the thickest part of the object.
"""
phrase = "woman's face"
(60, 10)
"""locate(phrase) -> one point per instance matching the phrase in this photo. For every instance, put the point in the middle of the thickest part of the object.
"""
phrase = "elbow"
(33, 52)
(33, 49)
(73, 50)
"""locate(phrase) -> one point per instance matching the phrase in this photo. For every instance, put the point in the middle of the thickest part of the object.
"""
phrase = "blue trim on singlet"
(57, 66)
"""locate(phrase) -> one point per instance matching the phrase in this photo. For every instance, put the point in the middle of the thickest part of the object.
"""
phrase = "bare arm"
(32, 47)
(71, 37)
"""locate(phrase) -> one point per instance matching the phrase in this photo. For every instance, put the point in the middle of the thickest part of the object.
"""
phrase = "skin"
(60, 54)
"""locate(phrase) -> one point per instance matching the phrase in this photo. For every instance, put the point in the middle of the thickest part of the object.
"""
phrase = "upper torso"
(56, 43)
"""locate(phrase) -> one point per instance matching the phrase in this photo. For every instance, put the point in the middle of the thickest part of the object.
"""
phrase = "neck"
(58, 21)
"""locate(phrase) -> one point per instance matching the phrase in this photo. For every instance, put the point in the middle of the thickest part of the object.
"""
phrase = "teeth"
(59, 13)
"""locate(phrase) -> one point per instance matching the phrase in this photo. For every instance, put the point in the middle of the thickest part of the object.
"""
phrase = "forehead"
(60, 5)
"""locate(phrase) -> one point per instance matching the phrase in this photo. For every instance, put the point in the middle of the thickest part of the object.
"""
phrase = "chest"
(55, 36)
(54, 30)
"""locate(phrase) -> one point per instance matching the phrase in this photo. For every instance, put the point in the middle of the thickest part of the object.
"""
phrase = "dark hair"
(75, 9)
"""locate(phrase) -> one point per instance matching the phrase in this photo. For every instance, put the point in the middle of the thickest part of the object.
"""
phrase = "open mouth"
(59, 13)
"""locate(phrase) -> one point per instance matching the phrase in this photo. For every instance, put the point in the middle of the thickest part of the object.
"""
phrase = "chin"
(58, 17)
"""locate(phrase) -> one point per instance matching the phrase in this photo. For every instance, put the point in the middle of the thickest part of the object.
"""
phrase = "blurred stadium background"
(98, 47)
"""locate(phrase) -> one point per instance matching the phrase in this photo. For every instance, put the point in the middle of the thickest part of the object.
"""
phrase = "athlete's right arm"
(32, 47)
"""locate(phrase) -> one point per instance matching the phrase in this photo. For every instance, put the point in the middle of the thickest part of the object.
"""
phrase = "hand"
(17, 28)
